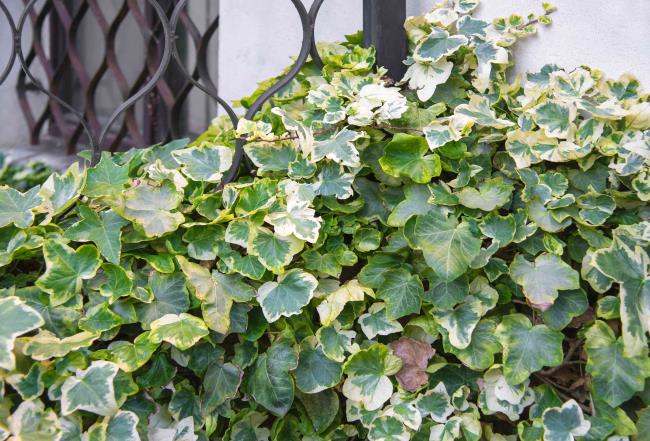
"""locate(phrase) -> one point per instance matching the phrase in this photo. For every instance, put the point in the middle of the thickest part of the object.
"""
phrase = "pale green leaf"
(16, 318)
(286, 297)
(91, 390)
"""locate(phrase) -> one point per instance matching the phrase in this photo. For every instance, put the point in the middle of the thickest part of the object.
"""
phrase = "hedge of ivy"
(455, 256)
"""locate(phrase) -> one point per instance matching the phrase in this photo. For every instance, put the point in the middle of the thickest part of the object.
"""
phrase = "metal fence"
(165, 80)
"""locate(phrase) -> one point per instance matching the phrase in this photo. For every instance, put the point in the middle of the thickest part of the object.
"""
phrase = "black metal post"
(383, 28)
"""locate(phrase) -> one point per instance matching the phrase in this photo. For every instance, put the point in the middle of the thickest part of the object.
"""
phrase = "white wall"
(258, 36)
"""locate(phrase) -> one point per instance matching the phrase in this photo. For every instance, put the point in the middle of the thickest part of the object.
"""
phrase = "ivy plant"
(458, 254)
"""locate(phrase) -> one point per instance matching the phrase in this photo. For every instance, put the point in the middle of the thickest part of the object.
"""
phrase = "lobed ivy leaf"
(367, 376)
(106, 178)
(16, 318)
(66, 270)
(542, 279)
(270, 383)
(91, 390)
(616, 377)
(18, 208)
(448, 246)
(527, 348)
(404, 156)
(564, 423)
(286, 297)
(103, 229)
(182, 331)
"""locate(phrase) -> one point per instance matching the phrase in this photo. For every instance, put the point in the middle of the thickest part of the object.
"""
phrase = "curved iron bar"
(307, 21)
(200, 79)
(313, 12)
(12, 55)
(209, 88)
(162, 67)
(25, 67)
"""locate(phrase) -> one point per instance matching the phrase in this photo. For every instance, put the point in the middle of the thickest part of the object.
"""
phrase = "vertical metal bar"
(383, 28)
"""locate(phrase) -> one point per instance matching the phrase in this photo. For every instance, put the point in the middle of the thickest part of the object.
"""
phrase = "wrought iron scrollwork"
(164, 35)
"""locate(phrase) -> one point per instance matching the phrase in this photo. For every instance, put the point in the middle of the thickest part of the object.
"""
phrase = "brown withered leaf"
(415, 356)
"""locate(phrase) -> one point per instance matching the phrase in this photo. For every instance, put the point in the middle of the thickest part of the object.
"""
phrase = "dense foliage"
(457, 256)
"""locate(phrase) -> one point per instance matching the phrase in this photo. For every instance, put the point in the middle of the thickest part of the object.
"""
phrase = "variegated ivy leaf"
(334, 181)
(595, 208)
(523, 146)
(272, 156)
(425, 77)
(367, 376)
(441, 16)
(435, 403)
(438, 134)
(541, 280)
(405, 156)
(46, 345)
(220, 384)
(479, 111)
(286, 297)
(104, 229)
(204, 163)
(66, 270)
(32, 421)
(616, 376)
(270, 383)
(16, 318)
(388, 428)
(333, 304)
(123, 426)
(60, 191)
(274, 251)
(568, 305)
(315, 371)
(336, 342)
(438, 44)
(628, 263)
(18, 208)
(182, 331)
(248, 427)
(154, 208)
(339, 148)
(91, 390)
(491, 193)
(15, 242)
(378, 103)
(253, 197)
(564, 423)
(527, 348)
(170, 296)
(165, 428)
(555, 118)
(461, 321)
(106, 178)
(402, 292)
(483, 345)
(296, 219)
(375, 322)
(487, 54)
(326, 98)
(217, 292)
(465, 6)
(416, 202)
(498, 395)
(448, 246)
(129, 356)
